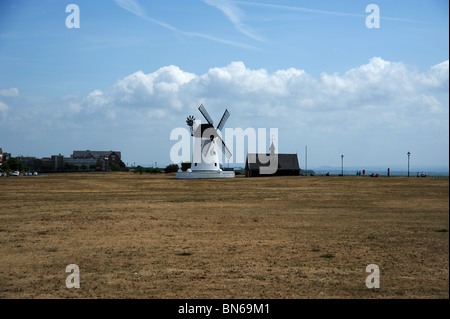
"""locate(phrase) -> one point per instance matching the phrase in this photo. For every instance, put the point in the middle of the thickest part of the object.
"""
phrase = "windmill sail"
(205, 114)
(223, 120)
(224, 148)
(206, 148)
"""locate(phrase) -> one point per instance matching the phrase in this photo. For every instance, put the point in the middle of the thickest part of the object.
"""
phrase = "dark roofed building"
(287, 164)
(112, 156)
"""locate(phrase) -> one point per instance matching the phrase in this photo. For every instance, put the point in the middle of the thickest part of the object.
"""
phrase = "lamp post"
(106, 164)
(409, 154)
(342, 164)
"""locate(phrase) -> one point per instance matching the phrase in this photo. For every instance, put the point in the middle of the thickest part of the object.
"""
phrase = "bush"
(185, 166)
(115, 168)
(171, 168)
(139, 169)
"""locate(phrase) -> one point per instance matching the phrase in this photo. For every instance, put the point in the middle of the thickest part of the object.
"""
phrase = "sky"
(135, 69)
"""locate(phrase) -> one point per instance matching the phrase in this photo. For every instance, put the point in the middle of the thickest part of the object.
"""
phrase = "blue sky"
(135, 69)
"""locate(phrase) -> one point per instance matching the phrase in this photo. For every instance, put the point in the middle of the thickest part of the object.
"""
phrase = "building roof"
(94, 154)
(285, 161)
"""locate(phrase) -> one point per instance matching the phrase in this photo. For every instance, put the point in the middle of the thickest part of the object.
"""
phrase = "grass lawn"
(152, 236)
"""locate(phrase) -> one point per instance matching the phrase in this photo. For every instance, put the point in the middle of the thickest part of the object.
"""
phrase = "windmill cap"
(200, 131)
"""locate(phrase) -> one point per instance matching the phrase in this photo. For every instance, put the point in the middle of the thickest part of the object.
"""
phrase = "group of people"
(363, 173)
(423, 174)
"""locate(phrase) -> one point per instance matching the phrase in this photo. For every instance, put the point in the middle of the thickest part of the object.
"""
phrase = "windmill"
(205, 156)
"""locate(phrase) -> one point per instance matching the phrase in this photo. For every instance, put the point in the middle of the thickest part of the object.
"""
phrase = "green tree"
(140, 169)
(5, 167)
(15, 164)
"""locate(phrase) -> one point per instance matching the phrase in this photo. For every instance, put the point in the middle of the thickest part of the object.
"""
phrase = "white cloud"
(437, 77)
(383, 85)
(235, 15)
(8, 93)
(380, 103)
(12, 92)
(3, 108)
(96, 99)
(153, 90)
(75, 107)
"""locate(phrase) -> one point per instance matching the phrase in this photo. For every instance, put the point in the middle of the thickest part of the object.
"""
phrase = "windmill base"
(204, 174)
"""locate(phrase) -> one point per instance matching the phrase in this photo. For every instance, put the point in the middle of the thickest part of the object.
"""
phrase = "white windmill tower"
(207, 142)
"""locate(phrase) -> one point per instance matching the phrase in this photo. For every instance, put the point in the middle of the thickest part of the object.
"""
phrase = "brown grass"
(147, 236)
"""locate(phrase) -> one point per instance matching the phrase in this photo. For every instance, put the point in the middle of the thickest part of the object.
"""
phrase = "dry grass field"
(152, 236)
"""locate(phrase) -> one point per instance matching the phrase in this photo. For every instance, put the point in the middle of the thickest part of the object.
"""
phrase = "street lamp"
(342, 169)
(409, 154)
